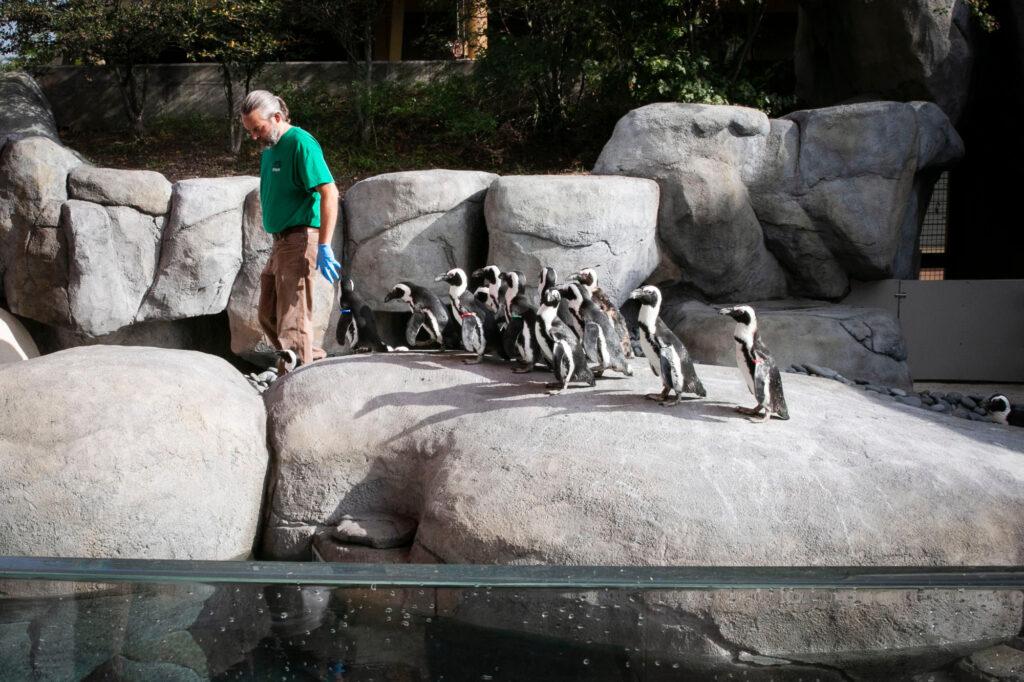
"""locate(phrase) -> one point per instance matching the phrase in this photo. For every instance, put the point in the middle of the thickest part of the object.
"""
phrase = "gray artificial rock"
(911, 400)
(758, 209)
(33, 252)
(864, 344)
(382, 531)
(413, 225)
(144, 453)
(201, 250)
(26, 112)
(426, 437)
(996, 663)
(571, 222)
(145, 191)
(911, 50)
(702, 157)
(247, 338)
(112, 254)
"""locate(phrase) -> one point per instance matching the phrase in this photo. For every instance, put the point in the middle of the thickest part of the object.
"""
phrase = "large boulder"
(570, 222)
(33, 252)
(247, 338)
(141, 453)
(413, 225)
(603, 477)
(112, 254)
(755, 209)
(860, 343)
(911, 50)
(145, 191)
(201, 250)
(26, 111)
(15, 342)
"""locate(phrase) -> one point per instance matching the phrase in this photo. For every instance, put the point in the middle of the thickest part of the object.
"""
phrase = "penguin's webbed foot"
(747, 410)
(475, 360)
(659, 397)
(522, 369)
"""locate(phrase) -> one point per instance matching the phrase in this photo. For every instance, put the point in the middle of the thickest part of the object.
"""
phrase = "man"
(300, 205)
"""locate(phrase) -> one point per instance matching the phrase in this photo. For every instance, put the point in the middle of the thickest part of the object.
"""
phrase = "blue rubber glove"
(328, 266)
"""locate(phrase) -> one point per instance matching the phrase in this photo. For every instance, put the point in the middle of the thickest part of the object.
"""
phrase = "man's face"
(266, 131)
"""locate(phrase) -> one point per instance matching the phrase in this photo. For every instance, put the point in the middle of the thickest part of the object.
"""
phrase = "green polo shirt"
(288, 173)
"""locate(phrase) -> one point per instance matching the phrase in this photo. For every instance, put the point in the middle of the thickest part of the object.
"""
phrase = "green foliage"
(561, 66)
(241, 36)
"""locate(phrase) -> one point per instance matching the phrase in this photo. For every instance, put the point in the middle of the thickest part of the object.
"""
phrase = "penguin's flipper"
(473, 339)
(564, 362)
(351, 333)
(691, 382)
(417, 321)
(583, 372)
(778, 399)
(593, 341)
(762, 387)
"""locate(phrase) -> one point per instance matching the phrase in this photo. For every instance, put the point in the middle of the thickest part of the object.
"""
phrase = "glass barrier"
(68, 619)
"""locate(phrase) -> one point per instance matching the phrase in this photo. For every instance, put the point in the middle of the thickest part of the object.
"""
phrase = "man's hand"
(328, 266)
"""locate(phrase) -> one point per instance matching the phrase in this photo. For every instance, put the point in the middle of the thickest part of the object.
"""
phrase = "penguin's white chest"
(653, 359)
(741, 365)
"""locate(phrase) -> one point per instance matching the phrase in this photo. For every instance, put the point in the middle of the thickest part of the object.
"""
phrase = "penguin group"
(572, 329)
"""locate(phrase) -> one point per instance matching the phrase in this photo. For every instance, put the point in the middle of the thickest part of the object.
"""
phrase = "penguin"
(357, 328)
(549, 279)
(569, 361)
(520, 317)
(757, 366)
(287, 361)
(588, 278)
(600, 340)
(665, 353)
(428, 313)
(489, 277)
(479, 331)
(1002, 412)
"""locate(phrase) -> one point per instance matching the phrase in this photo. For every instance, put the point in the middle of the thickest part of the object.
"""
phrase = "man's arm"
(328, 210)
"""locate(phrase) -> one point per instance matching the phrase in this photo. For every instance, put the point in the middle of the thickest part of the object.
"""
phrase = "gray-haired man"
(300, 205)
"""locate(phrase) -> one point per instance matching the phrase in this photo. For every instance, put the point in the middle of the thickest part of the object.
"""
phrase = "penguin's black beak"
(392, 295)
(727, 311)
(441, 278)
(637, 293)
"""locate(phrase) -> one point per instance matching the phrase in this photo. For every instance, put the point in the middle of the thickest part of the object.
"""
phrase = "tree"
(351, 23)
(241, 36)
(121, 35)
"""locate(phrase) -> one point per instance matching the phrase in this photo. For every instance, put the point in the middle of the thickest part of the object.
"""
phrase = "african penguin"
(477, 324)
(548, 280)
(519, 316)
(600, 340)
(489, 277)
(568, 359)
(357, 327)
(428, 313)
(287, 361)
(665, 353)
(757, 366)
(1002, 412)
(588, 278)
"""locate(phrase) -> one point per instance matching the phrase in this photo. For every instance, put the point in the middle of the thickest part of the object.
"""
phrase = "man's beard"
(272, 137)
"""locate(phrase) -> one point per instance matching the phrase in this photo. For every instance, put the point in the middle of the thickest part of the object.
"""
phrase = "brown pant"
(286, 293)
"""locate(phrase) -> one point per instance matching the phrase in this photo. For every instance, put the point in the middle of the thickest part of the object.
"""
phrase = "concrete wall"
(87, 98)
(955, 330)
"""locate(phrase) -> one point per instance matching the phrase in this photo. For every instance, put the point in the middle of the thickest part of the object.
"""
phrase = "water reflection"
(302, 632)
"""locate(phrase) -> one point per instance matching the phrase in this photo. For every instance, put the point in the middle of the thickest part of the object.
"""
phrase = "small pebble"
(927, 399)
(911, 400)
(940, 407)
(862, 382)
(898, 392)
(968, 402)
(954, 397)
(980, 411)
